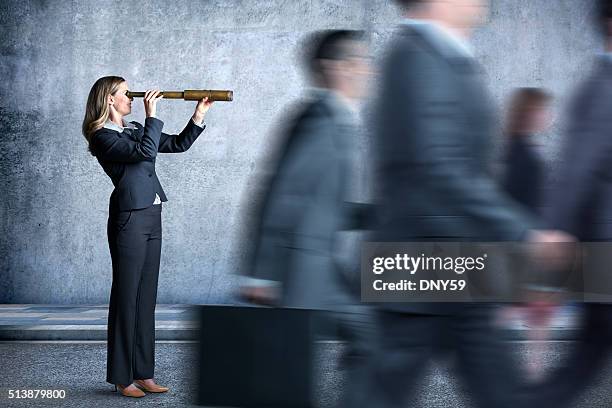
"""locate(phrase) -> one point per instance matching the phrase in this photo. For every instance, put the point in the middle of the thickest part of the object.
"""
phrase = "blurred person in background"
(581, 204)
(304, 204)
(433, 143)
(529, 115)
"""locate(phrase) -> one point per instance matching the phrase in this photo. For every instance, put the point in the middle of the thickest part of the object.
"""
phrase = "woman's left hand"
(200, 111)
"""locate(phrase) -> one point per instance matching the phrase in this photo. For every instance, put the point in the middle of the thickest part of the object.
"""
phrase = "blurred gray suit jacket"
(581, 203)
(304, 206)
(433, 144)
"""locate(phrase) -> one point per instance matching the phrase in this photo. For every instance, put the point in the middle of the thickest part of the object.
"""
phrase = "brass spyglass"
(191, 95)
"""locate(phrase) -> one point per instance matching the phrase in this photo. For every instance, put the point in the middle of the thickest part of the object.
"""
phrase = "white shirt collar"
(113, 126)
(441, 35)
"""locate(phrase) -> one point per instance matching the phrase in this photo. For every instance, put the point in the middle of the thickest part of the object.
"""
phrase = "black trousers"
(408, 342)
(134, 239)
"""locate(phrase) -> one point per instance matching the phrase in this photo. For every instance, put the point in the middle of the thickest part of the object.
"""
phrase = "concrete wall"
(54, 195)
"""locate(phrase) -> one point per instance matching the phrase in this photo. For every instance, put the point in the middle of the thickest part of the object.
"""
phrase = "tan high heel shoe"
(127, 392)
(150, 388)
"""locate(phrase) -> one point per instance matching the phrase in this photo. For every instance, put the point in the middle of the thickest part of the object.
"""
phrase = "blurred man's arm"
(306, 169)
(260, 291)
(301, 173)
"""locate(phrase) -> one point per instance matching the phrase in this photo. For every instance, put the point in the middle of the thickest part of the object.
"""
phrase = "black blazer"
(581, 202)
(128, 158)
(524, 173)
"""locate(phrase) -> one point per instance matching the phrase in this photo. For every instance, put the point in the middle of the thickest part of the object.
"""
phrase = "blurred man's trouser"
(407, 342)
(587, 359)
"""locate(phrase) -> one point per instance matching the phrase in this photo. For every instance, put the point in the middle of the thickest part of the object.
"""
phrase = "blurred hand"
(261, 295)
(550, 236)
(150, 102)
(542, 302)
(200, 111)
(551, 248)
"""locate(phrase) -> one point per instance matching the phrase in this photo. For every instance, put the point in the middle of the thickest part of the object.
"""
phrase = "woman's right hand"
(150, 102)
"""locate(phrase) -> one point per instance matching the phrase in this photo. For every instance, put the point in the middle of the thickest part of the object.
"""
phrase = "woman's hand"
(200, 111)
(150, 102)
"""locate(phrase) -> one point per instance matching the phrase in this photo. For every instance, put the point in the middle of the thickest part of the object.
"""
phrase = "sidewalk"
(86, 322)
(179, 322)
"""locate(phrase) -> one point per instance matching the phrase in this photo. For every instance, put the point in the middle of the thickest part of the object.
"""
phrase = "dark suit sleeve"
(583, 162)
(430, 109)
(302, 171)
(181, 142)
(359, 216)
(109, 146)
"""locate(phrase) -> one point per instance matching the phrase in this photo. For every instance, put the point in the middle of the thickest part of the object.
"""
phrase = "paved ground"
(173, 322)
(79, 370)
(85, 322)
(77, 365)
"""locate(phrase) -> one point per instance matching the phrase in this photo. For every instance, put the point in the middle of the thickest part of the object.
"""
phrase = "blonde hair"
(97, 110)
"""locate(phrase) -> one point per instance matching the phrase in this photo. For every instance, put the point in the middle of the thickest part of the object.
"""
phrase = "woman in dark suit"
(529, 115)
(126, 152)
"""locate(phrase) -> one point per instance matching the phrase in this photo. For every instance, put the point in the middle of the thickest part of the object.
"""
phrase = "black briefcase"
(255, 357)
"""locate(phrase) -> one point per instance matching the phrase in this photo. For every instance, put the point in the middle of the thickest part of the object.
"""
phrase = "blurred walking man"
(435, 125)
